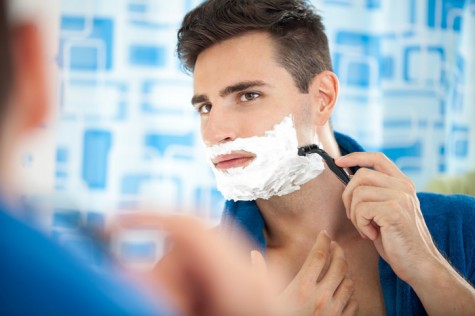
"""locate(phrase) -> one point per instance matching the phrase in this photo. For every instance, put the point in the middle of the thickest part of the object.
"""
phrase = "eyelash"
(200, 107)
(240, 96)
(243, 94)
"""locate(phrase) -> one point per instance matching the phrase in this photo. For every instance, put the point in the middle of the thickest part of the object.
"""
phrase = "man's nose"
(219, 127)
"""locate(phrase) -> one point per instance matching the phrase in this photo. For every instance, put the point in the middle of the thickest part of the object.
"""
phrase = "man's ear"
(29, 94)
(324, 92)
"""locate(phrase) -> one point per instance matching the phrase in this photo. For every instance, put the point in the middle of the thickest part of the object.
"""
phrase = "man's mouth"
(233, 160)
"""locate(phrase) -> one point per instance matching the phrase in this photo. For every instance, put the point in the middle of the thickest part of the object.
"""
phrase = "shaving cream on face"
(276, 170)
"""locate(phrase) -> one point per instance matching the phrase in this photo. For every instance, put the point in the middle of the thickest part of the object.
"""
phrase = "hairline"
(277, 50)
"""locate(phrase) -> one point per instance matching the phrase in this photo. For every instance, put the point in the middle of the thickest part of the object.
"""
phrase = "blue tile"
(409, 51)
(83, 56)
(62, 154)
(446, 6)
(373, 4)
(161, 142)
(339, 2)
(359, 75)
(67, 219)
(150, 56)
(459, 135)
(137, 7)
(368, 44)
(387, 67)
(97, 144)
(413, 151)
(146, 251)
(130, 183)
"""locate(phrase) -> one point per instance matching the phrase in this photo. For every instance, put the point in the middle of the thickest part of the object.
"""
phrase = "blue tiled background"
(128, 136)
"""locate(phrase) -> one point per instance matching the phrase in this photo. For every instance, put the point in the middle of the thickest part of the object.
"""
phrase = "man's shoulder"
(450, 218)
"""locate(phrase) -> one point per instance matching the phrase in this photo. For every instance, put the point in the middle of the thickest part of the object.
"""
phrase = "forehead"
(247, 57)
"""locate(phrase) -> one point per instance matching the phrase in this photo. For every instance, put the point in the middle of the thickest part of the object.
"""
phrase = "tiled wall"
(127, 135)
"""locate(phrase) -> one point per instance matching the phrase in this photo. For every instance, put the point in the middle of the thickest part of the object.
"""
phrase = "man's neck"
(297, 218)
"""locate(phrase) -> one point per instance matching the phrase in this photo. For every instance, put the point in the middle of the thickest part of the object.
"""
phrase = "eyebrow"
(240, 86)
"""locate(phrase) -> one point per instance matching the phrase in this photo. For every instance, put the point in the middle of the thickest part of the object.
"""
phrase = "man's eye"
(249, 96)
(204, 108)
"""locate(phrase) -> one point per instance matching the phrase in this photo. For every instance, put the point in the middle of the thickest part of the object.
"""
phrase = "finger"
(376, 160)
(343, 293)
(222, 275)
(372, 178)
(364, 194)
(171, 278)
(205, 250)
(316, 259)
(351, 308)
(259, 265)
(336, 271)
(373, 217)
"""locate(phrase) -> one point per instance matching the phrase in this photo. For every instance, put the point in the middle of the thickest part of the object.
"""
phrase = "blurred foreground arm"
(206, 274)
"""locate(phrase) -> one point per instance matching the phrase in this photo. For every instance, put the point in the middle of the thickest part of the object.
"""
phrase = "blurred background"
(125, 134)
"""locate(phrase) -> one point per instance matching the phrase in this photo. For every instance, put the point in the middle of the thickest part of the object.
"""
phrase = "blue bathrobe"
(39, 277)
(450, 219)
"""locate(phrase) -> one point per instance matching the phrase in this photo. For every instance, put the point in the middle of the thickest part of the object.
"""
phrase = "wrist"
(433, 268)
(442, 290)
(433, 273)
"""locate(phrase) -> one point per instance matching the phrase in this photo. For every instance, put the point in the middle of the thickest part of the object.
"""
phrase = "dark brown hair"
(5, 61)
(295, 27)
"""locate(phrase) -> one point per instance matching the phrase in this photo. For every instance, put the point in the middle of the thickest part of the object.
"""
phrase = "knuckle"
(359, 190)
(319, 255)
(393, 204)
(302, 294)
(362, 172)
(353, 307)
(349, 285)
(408, 183)
(346, 195)
(359, 196)
(321, 302)
(397, 212)
(341, 266)
(380, 156)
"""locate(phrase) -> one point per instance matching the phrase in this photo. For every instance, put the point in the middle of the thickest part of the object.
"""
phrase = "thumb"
(259, 265)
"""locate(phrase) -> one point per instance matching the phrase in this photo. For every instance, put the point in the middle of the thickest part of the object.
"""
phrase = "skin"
(27, 104)
(377, 214)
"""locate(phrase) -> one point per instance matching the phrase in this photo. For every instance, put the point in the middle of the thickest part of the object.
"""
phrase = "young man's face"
(241, 91)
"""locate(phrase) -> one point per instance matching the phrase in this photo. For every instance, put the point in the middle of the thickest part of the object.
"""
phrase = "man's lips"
(232, 160)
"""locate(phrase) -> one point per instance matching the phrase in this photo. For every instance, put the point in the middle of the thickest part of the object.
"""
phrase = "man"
(263, 86)
(38, 277)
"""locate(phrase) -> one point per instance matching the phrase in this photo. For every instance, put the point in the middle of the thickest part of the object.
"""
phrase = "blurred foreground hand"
(205, 273)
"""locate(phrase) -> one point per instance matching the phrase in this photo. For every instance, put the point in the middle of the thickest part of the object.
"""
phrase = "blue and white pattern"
(127, 135)
(406, 68)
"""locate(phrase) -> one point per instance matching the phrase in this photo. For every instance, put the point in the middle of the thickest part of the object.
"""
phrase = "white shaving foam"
(276, 170)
